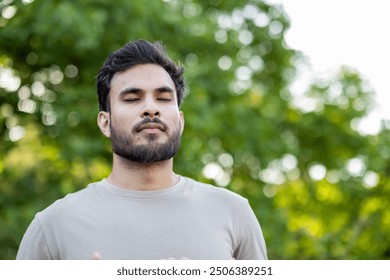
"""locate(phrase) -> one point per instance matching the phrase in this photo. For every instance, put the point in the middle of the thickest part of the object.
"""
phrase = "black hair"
(132, 54)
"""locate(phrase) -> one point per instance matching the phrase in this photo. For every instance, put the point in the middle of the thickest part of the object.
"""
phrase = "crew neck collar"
(126, 193)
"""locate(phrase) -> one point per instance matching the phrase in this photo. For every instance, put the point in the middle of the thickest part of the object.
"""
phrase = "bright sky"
(345, 32)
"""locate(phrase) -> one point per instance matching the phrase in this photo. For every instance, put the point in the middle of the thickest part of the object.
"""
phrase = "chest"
(149, 231)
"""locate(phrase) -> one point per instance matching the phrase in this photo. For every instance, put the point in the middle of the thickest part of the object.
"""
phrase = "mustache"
(149, 120)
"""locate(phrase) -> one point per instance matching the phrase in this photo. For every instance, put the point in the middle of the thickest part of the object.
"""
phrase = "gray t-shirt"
(188, 220)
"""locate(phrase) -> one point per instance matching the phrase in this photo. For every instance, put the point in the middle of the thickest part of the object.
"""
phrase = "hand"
(96, 256)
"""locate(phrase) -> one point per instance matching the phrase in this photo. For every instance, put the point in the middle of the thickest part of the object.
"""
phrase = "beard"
(124, 146)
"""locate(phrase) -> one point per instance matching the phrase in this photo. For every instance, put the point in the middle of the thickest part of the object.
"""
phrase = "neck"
(142, 176)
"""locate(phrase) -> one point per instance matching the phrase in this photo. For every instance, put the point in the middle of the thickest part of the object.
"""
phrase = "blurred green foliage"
(319, 187)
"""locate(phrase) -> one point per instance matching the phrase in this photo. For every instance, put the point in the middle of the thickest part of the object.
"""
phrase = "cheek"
(122, 122)
(175, 119)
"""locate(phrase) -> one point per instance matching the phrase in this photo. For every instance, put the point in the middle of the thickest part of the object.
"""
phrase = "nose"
(150, 109)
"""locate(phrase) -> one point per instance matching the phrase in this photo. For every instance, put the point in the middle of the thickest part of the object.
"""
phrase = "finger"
(96, 256)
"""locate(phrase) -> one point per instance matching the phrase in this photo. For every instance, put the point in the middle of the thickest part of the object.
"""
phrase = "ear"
(182, 122)
(103, 121)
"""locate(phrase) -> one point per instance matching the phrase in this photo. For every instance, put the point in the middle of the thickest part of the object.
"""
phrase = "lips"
(151, 126)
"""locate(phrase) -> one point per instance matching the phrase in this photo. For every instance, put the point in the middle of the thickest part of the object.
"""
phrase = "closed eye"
(164, 96)
(164, 99)
(131, 100)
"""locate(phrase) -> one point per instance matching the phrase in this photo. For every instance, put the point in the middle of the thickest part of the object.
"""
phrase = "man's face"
(145, 123)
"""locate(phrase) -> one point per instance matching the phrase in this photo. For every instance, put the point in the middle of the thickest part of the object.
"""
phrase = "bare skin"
(137, 93)
(144, 177)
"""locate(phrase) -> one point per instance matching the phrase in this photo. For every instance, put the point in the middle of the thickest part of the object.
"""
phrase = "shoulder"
(215, 194)
(71, 203)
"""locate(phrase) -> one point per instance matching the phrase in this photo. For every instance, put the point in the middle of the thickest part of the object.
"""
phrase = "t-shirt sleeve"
(34, 245)
(251, 245)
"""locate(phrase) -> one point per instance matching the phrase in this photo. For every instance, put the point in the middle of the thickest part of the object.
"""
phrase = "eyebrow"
(164, 89)
(135, 90)
(130, 90)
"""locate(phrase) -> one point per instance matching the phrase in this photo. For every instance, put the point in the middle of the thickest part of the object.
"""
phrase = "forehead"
(144, 77)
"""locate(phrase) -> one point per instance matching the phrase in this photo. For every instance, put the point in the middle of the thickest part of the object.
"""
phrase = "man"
(143, 210)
